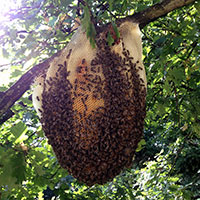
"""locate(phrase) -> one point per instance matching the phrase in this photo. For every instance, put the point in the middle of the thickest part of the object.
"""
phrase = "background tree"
(168, 158)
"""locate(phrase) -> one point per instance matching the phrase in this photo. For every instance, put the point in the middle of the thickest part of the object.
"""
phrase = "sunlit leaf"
(19, 130)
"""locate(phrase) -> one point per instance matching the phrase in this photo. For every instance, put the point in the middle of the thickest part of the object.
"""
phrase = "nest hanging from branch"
(91, 103)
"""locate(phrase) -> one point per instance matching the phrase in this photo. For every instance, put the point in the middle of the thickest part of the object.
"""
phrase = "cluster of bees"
(95, 122)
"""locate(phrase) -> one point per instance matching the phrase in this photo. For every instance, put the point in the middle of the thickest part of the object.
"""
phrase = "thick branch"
(9, 97)
(158, 10)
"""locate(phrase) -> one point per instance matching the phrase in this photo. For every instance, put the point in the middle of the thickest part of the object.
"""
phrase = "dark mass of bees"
(95, 122)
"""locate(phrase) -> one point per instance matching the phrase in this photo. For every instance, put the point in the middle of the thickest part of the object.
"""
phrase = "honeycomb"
(91, 104)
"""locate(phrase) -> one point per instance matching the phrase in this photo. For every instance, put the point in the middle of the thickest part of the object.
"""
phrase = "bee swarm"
(91, 103)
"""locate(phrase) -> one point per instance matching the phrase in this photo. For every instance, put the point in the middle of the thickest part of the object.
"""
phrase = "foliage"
(167, 163)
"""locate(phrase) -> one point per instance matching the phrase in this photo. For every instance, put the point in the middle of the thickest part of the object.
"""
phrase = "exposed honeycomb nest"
(92, 105)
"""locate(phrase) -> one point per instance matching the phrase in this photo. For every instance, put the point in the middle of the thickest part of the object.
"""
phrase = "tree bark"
(9, 97)
(158, 10)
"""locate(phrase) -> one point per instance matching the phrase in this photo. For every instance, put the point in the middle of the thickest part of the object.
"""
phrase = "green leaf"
(141, 145)
(16, 73)
(39, 170)
(111, 5)
(3, 88)
(86, 19)
(18, 167)
(88, 26)
(187, 195)
(196, 129)
(116, 30)
(41, 181)
(161, 40)
(26, 100)
(173, 187)
(177, 41)
(19, 130)
(177, 75)
(6, 169)
(161, 109)
(110, 39)
(167, 87)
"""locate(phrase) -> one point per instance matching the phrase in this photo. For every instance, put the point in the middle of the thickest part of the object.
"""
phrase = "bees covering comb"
(91, 103)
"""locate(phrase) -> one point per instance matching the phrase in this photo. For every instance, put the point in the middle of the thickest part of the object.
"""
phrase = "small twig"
(10, 64)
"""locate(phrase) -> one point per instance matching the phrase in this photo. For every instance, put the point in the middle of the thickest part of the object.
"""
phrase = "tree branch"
(158, 10)
(9, 97)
